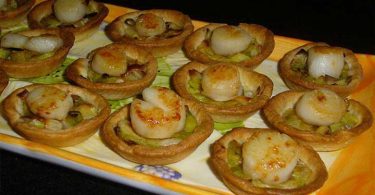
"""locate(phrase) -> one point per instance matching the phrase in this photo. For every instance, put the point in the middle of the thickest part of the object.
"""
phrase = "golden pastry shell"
(157, 46)
(115, 90)
(14, 17)
(59, 138)
(238, 185)
(45, 8)
(297, 81)
(3, 80)
(157, 155)
(260, 33)
(42, 67)
(224, 113)
(277, 105)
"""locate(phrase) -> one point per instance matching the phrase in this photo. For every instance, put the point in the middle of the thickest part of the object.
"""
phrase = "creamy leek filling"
(299, 65)
(195, 89)
(348, 121)
(252, 50)
(20, 55)
(172, 30)
(300, 176)
(51, 21)
(126, 133)
(9, 6)
(80, 111)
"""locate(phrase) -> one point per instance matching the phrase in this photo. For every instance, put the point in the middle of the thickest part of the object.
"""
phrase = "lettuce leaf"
(117, 104)
(223, 128)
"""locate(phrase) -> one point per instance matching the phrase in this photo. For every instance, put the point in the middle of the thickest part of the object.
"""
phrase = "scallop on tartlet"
(115, 71)
(57, 115)
(3, 80)
(229, 93)
(161, 129)
(160, 31)
(318, 65)
(245, 45)
(34, 53)
(264, 161)
(320, 118)
(81, 17)
(13, 12)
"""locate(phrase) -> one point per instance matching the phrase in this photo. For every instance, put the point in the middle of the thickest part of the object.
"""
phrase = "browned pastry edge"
(42, 67)
(14, 17)
(296, 80)
(60, 138)
(45, 8)
(157, 155)
(3, 80)
(116, 90)
(238, 185)
(224, 114)
(158, 47)
(286, 100)
(261, 34)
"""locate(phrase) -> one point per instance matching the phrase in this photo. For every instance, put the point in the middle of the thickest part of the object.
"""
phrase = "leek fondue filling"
(112, 65)
(160, 119)
(321, 111)
(70, 13)
(50, 108)
(8, 5)
(323, 65)
(229, 44)
(20, 48)
(259, 161)
(148, 26)
(220, 85)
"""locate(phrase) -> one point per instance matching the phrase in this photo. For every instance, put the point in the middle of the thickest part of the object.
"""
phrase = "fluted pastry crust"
(45, 8)
(277, 105)
(262, 35)
(222, 113)
(3, 80)
(157, 46)
(295, 80)
(14, 17)
(157, 155)
(37, 68)
(241, 186)
(113, 91)
(58, 138)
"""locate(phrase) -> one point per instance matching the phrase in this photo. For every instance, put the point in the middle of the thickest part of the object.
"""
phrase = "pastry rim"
(319, 142)
(242, 186)
(223, 113)
(59, 138)
(296, 81)
(4, 80)
(80, 33)
(157, 155)
(13, 17)
(41, 67)
(115, 90)
(261, 33)
(160, 47)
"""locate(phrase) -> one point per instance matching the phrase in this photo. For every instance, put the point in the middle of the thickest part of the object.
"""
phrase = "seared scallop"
(109, 61)
(149, 25)
(160, 115)
(325, 60)
(69, 11)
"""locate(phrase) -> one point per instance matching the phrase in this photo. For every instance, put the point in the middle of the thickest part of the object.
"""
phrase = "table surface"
(339, 23)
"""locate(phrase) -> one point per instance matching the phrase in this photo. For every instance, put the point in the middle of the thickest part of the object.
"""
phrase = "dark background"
(349, 24)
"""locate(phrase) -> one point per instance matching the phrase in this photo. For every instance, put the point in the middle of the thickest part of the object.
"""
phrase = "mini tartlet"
(25, 63)
(245, 45)
(135, 70)
(35, 118)
(3, 80)
(160, 31)
(43, 15)
(227, 160)
(14, 13)
(246, 91)
(336, 68)
(344, 123)
(120, 135)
